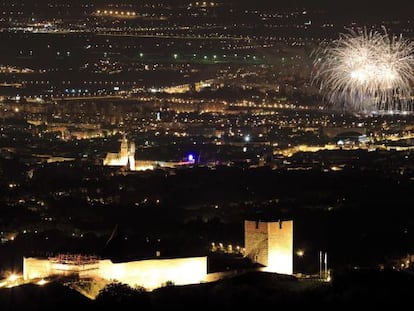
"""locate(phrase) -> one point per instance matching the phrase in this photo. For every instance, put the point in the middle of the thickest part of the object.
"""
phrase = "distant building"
(270, 244)
(332, 132)
(125, 156)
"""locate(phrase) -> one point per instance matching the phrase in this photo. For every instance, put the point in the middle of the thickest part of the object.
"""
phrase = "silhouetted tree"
(118, 294)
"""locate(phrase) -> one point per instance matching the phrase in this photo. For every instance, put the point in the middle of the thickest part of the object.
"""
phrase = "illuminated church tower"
(125, 156)
(123, 152)
(131, 156)
(270, 244)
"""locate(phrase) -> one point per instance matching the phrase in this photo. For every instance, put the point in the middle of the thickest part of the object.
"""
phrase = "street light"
(13, 277)
(300, 252)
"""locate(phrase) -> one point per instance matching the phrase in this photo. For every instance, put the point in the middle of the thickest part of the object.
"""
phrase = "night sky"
(397, 8)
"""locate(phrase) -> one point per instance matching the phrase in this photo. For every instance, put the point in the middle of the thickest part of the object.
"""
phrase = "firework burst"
(366, 71)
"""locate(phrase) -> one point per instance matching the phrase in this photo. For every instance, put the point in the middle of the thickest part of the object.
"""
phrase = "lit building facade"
(270, 244)
(125, 156)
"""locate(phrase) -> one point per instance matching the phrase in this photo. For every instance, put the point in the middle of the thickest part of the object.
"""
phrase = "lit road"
(90, 97)
(116, 33)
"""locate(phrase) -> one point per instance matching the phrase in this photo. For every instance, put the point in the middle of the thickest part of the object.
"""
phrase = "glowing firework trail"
(366, 71)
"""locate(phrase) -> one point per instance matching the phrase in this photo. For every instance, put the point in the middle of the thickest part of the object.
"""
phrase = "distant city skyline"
(369, 8)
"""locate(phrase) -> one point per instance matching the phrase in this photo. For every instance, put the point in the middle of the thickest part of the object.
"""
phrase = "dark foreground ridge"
(366, 287)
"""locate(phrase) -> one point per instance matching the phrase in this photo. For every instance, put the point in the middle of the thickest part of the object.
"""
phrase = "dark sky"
(395, 5)
(360, 8)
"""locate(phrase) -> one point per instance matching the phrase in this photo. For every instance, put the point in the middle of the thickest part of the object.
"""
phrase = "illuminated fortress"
(267, 243)
(150, 274)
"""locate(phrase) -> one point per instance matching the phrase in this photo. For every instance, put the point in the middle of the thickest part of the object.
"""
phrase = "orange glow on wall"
(150, 274)
(270, 244)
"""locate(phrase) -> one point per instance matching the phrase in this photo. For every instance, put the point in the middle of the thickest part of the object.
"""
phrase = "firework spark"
(366, 71)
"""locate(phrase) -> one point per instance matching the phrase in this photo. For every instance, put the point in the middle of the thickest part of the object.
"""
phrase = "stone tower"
(125, 156)
(270, 244)
(123, 153)
(131, 156)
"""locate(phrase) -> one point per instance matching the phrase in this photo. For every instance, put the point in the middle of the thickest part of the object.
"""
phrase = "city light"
(300, 252)
(13, 277)
(42, 282)
(116, 13)
(191, 158)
